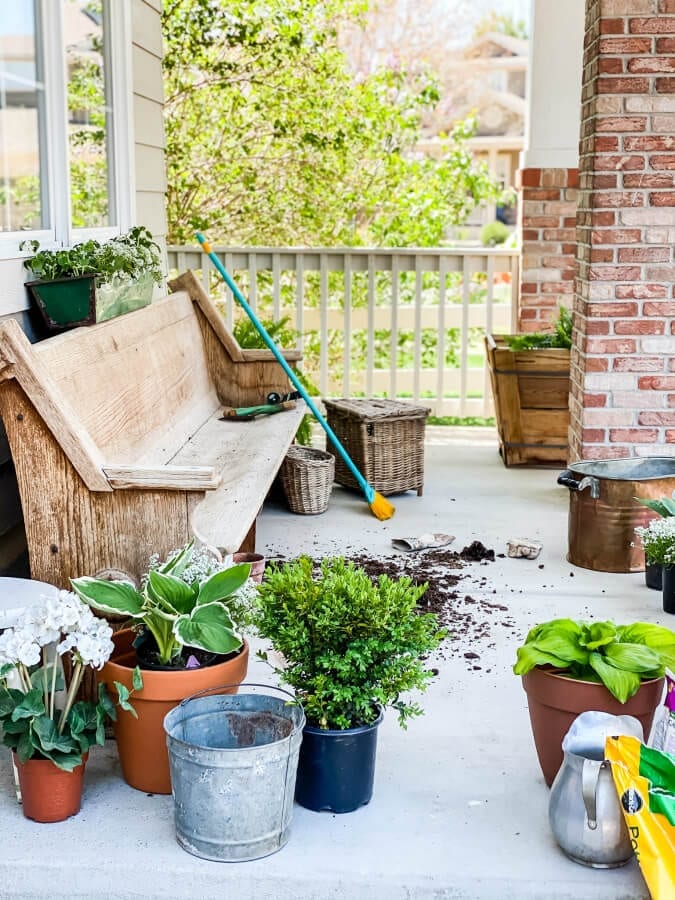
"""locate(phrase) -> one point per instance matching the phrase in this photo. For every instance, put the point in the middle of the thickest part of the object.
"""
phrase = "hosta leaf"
(210, 628)
(599, 634)
(530, 656)
(179, 562)
(115, 597)
(222, 584)
(633, 657)
(562, 645)
(24, 747)
(619, 683)
(657, 637)
(560, 626)
(179, 596)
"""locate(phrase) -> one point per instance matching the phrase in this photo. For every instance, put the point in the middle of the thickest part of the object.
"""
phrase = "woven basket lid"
(376, 408)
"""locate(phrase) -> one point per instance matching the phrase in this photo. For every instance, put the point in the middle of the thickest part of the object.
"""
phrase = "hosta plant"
(619, 656)
(349, 645)
(40, 718)
(664, 506)
(181, 604)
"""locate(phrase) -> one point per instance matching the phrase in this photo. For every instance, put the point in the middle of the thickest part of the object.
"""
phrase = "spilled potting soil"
(470, 620)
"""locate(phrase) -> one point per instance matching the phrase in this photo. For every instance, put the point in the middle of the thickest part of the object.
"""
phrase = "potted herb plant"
(656, 542)
(93, 281)
(351, 648)
(530, 376)
(185, 639)
(47, 729)
(569, 667)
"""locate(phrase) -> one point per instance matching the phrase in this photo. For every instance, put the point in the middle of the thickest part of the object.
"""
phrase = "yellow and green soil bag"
(645, 782)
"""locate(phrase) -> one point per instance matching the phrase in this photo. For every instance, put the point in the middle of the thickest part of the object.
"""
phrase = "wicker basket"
(384, 438)
(307, 478)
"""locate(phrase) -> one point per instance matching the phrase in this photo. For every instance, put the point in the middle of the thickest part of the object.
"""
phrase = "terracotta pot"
(48, 794)
(141, 742)
(257, 561)
(555, 701)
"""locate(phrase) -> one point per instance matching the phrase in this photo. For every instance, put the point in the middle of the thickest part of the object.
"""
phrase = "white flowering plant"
(40, 718)
(658, 540)
(188, 602)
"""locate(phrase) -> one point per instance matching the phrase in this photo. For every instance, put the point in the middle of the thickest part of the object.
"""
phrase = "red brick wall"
(547, 224)
(623, 360)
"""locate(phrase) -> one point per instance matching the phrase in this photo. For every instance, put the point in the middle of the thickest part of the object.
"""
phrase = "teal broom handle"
(368, 490)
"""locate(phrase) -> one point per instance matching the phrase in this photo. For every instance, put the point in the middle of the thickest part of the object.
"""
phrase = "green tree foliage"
(501, 24)
(272, 140)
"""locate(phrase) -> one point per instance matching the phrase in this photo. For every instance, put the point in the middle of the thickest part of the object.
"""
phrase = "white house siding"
(148, 121)
(149, 179)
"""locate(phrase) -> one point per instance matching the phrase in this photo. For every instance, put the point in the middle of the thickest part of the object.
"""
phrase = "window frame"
(56, 166)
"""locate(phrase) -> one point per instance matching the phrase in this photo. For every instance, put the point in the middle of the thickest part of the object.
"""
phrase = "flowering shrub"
(658, 540)
(39, 718)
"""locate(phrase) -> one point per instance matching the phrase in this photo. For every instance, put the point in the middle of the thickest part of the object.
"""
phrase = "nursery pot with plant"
(658, 542)
(48, 730)
(184, 639)
(351, 647)
(571, 667)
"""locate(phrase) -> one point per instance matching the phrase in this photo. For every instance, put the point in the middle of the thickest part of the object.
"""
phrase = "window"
(23, 197)
(64, 165)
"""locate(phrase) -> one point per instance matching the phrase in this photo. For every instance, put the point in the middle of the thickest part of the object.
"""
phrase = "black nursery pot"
(669, 589)
(653, 578)
(337, 768)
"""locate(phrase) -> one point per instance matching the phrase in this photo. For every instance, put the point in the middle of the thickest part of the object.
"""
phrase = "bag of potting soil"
(645, 782)
(664, 727)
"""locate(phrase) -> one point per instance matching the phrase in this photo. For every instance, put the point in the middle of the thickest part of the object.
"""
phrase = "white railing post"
(314, 310)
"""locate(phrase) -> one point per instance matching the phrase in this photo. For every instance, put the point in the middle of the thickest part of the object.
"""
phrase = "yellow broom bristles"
(381, 508)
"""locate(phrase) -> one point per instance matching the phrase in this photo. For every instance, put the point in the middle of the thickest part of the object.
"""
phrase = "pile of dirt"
(469, 619)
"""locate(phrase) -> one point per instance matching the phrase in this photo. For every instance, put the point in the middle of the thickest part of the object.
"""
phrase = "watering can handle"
(222, 687)
(590, 775)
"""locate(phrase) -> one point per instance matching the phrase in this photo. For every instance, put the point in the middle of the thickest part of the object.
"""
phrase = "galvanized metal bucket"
(233, 761)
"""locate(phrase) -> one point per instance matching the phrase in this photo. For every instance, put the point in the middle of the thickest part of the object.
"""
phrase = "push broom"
(379, 505)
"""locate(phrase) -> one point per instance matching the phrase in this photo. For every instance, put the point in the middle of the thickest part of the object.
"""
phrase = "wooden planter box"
(531, 395)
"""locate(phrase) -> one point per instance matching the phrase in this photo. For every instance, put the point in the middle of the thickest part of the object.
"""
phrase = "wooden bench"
(117, 441)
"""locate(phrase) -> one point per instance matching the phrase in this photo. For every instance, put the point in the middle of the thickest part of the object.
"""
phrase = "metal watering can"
(584, 810)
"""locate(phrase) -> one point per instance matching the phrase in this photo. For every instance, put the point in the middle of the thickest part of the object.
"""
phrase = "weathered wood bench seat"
(116, 438)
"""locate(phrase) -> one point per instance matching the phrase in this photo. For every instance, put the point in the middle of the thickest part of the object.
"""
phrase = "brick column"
(623, 360)
(547, 224)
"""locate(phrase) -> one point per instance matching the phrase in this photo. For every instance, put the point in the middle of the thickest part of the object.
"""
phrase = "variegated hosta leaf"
(209, 627)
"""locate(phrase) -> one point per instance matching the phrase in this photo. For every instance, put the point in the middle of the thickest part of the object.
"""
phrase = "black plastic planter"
(337, 768)
(669, 589)
(65, 302)
(653, 575)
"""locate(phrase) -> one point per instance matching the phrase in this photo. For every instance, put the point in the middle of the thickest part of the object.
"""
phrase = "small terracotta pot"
(257, 562)
(141, 742)
(554, 703)
(48, 794)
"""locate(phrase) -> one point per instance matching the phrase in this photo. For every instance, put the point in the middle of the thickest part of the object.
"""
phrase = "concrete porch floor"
(460, 806)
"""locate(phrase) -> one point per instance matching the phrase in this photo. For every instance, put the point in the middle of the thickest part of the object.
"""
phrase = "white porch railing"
(348, 305)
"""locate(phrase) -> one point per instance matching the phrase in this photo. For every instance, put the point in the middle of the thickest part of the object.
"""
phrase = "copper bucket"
(604, 512)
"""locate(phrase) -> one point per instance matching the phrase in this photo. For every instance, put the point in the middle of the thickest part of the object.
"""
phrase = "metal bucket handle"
(213, 691)
(567, 479)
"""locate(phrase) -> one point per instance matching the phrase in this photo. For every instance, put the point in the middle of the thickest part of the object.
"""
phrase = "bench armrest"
(170, 478)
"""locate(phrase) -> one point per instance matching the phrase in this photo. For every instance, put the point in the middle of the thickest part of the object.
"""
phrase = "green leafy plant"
(126, 258)
(349, 644)
(40, 719)
(658, 540)
(176, 613)
(560, 337)
(494, 233)
(664, 506)
(619, 656)
(248, 337)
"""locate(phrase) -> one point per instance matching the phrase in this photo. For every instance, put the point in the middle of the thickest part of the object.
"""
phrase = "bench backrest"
(139, 383)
